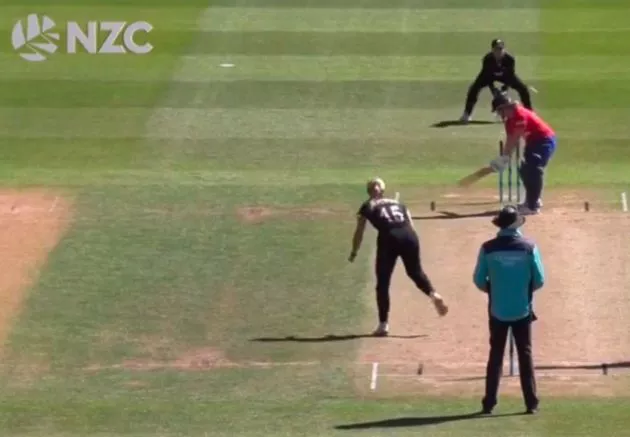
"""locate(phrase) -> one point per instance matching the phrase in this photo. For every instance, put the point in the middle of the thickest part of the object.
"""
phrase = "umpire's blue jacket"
(510, 269)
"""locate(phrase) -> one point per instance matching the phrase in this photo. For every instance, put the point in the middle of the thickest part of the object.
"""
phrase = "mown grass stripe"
(360, 94)
(416, 20)
(311, 4)
(142, 68)
(558, 43)
(368, 20)
(206, 68)
(202, 123)
(99, 154)
(182, 18)
(563, 174)
(390, 43)
(36, 5)
(374, 43)
(462, 67)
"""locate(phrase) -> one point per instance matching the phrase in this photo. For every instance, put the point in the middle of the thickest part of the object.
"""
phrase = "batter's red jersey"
(528, 122)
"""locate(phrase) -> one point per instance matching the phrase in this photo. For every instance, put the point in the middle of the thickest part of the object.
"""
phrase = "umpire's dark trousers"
(522, 331)
(483, 81)
(390, 245)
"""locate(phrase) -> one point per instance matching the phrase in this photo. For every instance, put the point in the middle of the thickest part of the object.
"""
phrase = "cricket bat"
(474, 177)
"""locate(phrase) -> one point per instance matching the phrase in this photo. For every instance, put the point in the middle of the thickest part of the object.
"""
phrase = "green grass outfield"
(161, 150)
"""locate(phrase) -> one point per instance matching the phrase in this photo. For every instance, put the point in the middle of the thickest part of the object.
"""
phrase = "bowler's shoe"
(486, 408)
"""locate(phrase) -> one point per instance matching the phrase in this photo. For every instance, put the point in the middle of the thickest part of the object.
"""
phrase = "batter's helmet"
(499, 100)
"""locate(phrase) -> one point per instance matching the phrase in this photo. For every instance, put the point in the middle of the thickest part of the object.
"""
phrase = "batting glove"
(499, 164)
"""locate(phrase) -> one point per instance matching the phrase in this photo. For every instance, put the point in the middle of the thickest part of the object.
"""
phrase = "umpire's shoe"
(382, 330)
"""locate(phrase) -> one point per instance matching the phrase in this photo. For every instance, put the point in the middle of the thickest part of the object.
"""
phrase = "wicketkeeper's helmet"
(497, 43)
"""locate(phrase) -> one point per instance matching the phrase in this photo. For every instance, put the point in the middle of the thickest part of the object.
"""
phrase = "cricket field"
(175, 225)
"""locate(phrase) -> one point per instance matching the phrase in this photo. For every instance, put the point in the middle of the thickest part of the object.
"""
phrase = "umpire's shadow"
(327, 338)
(450, 123)
(400, 422)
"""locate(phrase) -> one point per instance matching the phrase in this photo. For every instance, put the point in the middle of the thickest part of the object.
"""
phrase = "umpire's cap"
(497, 43)
(500, 99)
(508, 218)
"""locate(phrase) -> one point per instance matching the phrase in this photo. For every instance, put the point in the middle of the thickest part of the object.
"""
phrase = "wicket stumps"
(513, 164)
(513, 178)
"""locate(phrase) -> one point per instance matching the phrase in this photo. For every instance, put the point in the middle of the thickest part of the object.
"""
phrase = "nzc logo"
(35, 39)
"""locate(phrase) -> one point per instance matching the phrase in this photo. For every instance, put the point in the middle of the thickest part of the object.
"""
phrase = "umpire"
(509, 268)
(396, 237)
(497, 66)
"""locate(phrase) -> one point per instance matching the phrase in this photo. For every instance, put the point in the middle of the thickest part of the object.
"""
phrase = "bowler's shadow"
(400, 422)
(327, 338)
(450, 123)
(444, 215)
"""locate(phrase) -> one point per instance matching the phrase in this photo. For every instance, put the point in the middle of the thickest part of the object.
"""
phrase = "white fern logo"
(34, 42)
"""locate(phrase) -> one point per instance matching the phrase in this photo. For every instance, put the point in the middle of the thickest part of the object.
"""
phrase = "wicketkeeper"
(509, 268)
(396, 238)
(540, 145)
(497, 66)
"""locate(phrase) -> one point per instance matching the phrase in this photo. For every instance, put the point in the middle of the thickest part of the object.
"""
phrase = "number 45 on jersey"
(393, 213)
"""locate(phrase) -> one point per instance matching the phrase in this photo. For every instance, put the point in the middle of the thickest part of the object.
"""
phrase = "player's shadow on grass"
(450, 123)
(327, 338)
(400, 422)
(478, 203)
(443, 215)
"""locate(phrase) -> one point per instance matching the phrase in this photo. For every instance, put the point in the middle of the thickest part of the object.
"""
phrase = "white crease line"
(374, 376)
(624, 202)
